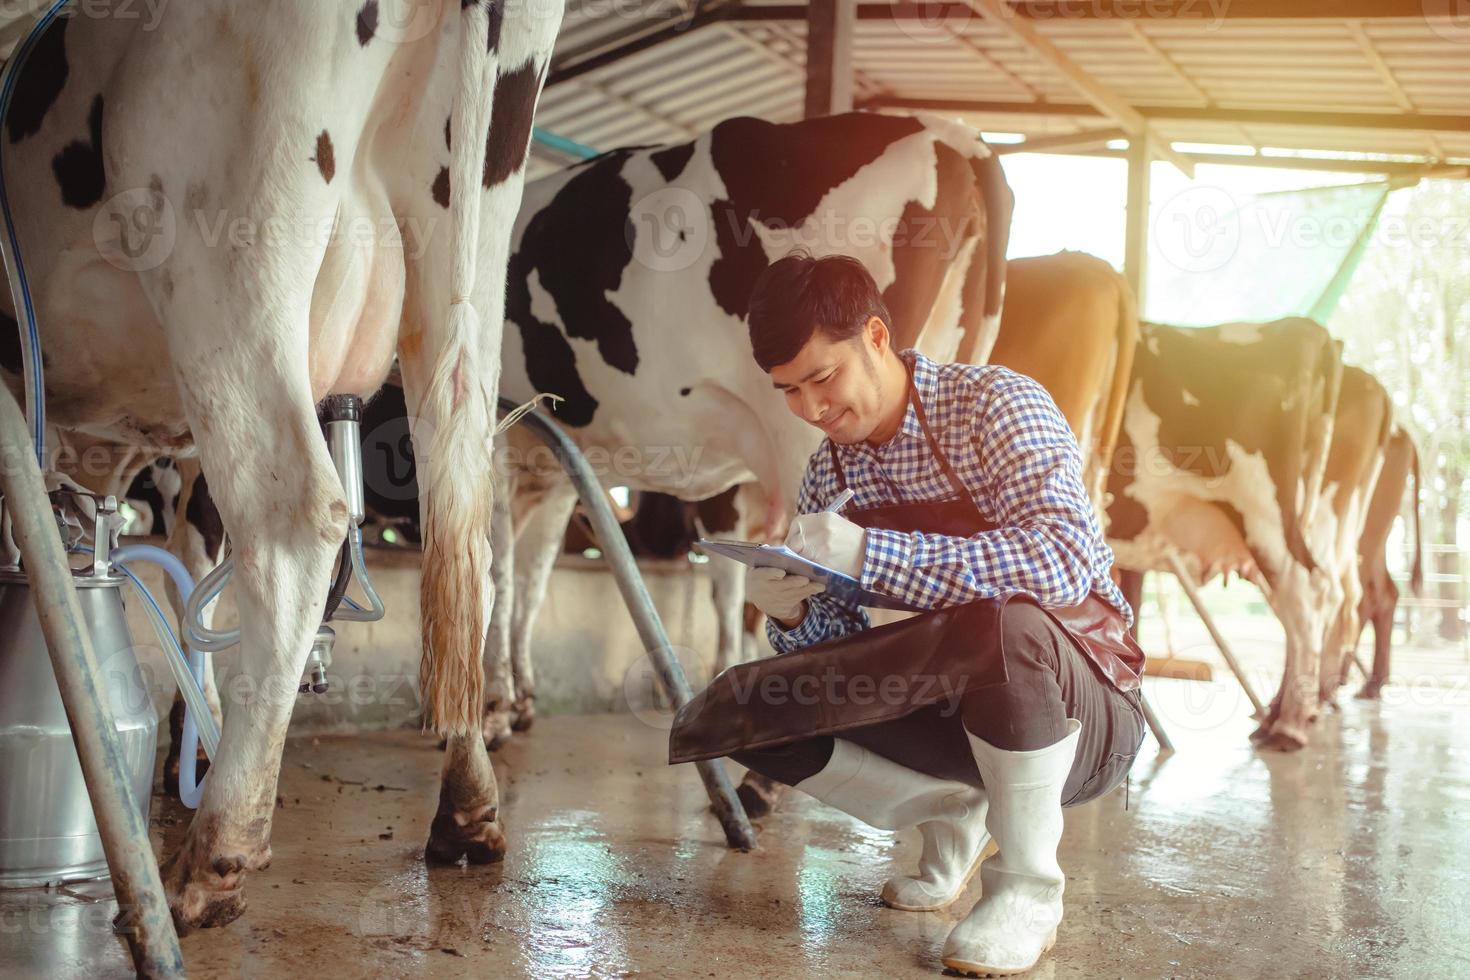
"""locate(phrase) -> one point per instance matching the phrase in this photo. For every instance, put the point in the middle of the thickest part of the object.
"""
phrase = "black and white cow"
(227, 217)
(1220, 463)
(628, 289)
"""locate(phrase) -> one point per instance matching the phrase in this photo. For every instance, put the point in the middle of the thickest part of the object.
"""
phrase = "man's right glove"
(778, 594)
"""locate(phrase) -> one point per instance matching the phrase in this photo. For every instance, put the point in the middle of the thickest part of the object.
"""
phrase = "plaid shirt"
(1012, 449)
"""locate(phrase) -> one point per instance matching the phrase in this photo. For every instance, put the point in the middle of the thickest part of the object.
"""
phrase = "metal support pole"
(1152, 720)
(143, 916)
(738, 831)
(1191, 590)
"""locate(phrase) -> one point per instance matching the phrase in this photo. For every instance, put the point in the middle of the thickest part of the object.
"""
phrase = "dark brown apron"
(887, 672)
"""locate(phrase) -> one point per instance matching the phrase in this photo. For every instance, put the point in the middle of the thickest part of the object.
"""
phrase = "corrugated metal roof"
(1386, 65)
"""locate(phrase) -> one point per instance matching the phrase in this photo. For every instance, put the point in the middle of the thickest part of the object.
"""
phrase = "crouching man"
(969, 505)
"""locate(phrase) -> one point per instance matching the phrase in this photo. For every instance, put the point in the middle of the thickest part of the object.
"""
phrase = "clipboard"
(838, 584)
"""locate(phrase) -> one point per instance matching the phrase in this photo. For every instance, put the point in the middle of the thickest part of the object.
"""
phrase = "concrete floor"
(1345, 860)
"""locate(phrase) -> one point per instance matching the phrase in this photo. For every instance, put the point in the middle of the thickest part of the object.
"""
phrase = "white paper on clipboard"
(836, 583)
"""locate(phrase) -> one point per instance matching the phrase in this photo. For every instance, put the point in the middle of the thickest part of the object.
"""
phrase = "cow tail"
(454, 588)
(1416, 577)
(988, 264)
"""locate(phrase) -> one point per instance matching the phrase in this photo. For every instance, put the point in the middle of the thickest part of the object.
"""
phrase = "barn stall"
(1246, 839)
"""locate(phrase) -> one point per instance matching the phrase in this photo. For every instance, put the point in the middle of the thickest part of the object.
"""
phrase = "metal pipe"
(1192, 591)
(727, 806)
(143, 917)
(1166, 744)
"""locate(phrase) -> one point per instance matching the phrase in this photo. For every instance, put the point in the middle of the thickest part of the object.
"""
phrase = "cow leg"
(538, 543)
(1342, 627)
(499, 716)
(283, 507)
(1296, 600)
(197, 538)
(467, 823)
(727, 586)
(1383, 607)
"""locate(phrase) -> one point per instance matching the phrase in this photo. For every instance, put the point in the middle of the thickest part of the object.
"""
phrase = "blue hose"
(191, 789)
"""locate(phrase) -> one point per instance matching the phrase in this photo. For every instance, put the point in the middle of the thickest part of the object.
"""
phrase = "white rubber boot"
(1016, 918)
(886, 795)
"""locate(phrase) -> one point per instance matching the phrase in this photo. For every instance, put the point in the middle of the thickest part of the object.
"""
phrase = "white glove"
(776, 593)
(829, 539)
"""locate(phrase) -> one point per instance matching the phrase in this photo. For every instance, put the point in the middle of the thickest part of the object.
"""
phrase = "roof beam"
(1102, 98)
(1388, 168)
(1365, 44)
(1087, 139)
(829, 28)
(614, 49)
(1174, 11)
(1271, 117)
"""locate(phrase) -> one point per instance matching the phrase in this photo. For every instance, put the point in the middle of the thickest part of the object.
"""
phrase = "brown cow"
(1361, 427)
(1380, 594)
(1070, 321)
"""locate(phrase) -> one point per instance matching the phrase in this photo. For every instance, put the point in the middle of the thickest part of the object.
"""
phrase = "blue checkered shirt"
(1011, 447)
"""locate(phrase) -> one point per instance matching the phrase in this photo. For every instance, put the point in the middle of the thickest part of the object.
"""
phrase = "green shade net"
(1217, 259)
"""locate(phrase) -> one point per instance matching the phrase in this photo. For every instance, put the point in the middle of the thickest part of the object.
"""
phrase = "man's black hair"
(797, 295)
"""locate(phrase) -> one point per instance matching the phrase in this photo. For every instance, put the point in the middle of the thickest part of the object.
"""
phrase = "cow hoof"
(1372, 691)
(476, 837)
(525, 713)
(204, 895)
(495, 727)
(759, 795)
(1281, 741)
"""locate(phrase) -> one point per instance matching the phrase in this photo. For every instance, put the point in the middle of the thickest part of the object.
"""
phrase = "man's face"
(834, 385)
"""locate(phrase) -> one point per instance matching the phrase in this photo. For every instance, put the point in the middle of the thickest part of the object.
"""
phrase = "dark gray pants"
(1048, 681)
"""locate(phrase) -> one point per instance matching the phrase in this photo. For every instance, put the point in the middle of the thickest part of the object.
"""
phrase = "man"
(970, 505)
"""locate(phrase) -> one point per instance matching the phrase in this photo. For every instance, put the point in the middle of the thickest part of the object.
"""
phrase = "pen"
(841, 501)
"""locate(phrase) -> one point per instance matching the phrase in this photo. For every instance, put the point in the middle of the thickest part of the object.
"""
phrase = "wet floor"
(1345, 860)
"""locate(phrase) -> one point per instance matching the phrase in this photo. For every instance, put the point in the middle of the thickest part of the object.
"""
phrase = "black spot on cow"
(441, 188)
(514, 107)
(672, 160)
(10, 355)
(799, 164)
(78, 167)
(742, 258)
(448, 143)
(497, 16)
(326, 159)
(40, 83)
(685, 391)
(367, 22)
(145, 490)
(204, 517)
(577, 246)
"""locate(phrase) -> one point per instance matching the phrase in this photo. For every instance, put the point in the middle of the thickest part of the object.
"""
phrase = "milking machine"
(51, 837)
(50, 614)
